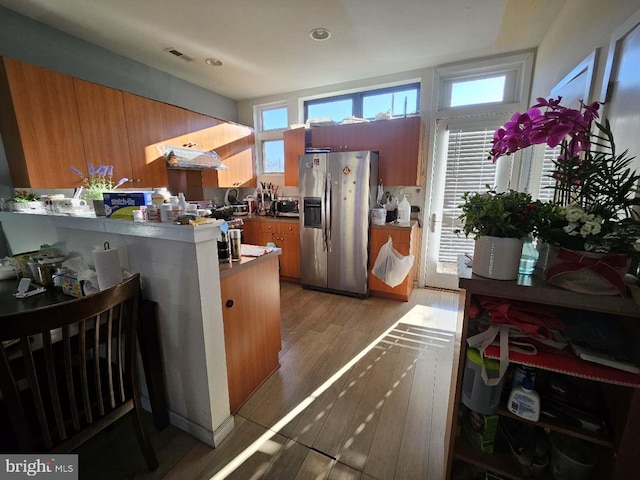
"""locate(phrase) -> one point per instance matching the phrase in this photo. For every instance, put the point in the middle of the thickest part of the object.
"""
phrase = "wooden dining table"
(148, 338)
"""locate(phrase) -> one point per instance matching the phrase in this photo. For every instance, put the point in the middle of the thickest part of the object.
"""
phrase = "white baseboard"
(212, 439)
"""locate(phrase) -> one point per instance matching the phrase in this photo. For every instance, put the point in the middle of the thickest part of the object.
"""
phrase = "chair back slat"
(96, 364)
(119, 359)
(68, 371)
(53, 383)
(84, 379)
(13, 400)
(112, 399)
(32, 377)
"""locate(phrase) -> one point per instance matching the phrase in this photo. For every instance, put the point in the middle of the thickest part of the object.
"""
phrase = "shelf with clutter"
(600, 434)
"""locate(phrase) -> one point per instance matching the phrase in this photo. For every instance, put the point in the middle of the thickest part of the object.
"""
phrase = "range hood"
(183, 158)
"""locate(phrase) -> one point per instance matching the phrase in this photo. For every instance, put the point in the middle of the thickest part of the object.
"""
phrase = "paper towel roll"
(107, 263)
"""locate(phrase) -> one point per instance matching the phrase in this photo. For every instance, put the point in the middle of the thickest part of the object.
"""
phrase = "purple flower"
(76, 171)
(92, 171)
(121, 181)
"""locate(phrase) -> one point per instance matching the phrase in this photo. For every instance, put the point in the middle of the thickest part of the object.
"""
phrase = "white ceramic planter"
(497, 257)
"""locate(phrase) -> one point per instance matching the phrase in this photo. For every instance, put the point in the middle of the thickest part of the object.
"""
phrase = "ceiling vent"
(178, 54)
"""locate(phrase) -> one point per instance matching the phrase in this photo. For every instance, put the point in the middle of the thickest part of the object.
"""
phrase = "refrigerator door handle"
(323, 216)
(329, 194)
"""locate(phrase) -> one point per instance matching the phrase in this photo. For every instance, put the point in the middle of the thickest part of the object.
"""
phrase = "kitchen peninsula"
(180, 271)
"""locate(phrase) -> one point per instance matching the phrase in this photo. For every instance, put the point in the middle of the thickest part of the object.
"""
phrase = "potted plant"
(24, 200)
(500, 221)
(596, 225)
(99, 181)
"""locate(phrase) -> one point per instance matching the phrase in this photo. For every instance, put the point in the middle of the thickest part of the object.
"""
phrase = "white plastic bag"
(391, 267)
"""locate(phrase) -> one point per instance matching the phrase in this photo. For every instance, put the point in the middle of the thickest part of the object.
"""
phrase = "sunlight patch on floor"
(420, 320)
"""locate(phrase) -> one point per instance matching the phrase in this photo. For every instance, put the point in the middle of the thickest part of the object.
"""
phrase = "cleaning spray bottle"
(524, 402)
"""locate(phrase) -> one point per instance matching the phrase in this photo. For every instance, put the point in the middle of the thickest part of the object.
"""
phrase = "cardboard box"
(72, 286)
(120, 205)
(480, 430)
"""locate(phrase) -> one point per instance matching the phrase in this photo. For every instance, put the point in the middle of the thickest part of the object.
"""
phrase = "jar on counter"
(235, 244)
(160, 196)
(223, 248)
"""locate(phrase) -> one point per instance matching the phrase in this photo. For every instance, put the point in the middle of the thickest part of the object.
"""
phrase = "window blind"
(547, 184)
(467, 170)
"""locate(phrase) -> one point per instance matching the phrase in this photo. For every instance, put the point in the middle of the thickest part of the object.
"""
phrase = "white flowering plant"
(574, 228)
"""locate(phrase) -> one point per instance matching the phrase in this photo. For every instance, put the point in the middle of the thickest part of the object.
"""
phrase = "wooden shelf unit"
(617, 451)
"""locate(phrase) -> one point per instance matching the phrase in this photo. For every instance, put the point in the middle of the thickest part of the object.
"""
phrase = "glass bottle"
(528, 258)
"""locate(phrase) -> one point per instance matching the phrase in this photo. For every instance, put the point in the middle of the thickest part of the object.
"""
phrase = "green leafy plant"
(23, 196)
(510, 214)
(595, 184)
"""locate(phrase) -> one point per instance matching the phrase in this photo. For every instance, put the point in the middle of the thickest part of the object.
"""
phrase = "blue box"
(120, 205)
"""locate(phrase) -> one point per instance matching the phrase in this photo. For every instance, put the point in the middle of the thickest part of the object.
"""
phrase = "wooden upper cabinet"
(346, 138)
(40, 126)
(145, 134)
(398, 141)
(294, 146)
(400, 151)
(104, 128)
(235, 144)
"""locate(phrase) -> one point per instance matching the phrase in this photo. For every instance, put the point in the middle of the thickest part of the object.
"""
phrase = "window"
(546, 190)
(271, 120)
(467, 170)
(400, 100)
(274, 118)
(499, 86)
(475, 92)
(273, 156)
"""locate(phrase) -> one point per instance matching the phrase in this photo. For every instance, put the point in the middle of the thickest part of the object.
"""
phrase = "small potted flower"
(24, 200)
(500, 221)
(99, 181)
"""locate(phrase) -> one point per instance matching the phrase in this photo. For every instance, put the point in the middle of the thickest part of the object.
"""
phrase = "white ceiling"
(265, 44)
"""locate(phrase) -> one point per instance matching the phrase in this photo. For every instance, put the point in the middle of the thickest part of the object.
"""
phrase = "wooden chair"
(73, 371)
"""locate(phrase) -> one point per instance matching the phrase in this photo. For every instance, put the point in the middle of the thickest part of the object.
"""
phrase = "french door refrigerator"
(337, 191)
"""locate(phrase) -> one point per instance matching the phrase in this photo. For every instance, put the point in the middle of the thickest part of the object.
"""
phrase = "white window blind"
(547, 184)
(468, 169)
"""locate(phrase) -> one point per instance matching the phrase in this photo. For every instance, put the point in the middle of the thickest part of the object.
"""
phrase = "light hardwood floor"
(361, 393)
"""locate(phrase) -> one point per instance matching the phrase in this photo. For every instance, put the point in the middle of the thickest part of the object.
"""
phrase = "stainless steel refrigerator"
(337, 191)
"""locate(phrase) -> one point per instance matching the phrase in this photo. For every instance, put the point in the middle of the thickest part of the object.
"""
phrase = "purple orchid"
(554, 126)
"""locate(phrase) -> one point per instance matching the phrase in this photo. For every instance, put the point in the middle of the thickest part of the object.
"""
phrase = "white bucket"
(378, 216)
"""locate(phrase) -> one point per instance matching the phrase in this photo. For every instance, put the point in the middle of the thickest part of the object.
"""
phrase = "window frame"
(358, 99)
(263, 136)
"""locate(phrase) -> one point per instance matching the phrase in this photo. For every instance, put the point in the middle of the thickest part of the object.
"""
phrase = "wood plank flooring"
(361, 394)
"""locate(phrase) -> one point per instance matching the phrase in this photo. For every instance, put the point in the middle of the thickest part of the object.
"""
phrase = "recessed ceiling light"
(214, 62)
(320, 34)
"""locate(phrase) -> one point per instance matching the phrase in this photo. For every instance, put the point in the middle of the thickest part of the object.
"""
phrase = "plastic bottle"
(153, 214)
(182, 202)
(160, 196)
(524, 402)
(404, 211)
(529, 257)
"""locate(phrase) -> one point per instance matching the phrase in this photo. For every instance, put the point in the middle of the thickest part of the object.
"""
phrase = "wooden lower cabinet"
(404, 241)
(251, 317)
(251, 233)
(613, 395)
(286, 235)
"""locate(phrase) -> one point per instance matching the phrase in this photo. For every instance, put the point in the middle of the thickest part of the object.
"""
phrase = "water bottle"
(528, 258)
(404, 211)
